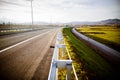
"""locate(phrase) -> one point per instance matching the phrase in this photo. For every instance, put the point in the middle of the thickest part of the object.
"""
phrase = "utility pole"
(31, 12)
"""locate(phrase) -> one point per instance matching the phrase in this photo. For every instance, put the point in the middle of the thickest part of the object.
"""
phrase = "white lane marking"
(23, 42)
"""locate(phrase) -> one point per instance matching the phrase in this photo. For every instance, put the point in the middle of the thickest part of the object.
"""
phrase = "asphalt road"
(108, 53)
(30, 59)
(11, 39)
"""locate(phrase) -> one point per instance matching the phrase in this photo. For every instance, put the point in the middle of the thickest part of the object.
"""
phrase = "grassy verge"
(63, 55)
(88, 64)
(62, 71)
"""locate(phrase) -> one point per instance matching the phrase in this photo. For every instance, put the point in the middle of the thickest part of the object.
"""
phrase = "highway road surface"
(26, 56)
(110, 54)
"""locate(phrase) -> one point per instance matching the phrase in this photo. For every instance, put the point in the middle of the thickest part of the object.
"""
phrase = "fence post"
(69, 67)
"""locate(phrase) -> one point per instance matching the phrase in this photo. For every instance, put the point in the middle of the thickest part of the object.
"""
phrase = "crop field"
(108, 35)
(89, 65)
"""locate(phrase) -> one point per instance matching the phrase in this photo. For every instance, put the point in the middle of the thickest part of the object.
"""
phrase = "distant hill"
(111, 21)
(103, 22)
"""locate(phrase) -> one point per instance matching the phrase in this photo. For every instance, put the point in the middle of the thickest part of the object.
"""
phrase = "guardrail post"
(59, 63)
(65, 64)
(69, 67)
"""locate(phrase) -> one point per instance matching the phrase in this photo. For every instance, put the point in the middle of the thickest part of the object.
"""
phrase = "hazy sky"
(59, 10)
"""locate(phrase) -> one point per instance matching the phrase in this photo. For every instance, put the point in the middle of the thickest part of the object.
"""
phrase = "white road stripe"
(22, 42)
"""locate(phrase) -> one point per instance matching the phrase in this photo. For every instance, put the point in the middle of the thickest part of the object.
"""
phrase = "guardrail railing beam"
(59, 63)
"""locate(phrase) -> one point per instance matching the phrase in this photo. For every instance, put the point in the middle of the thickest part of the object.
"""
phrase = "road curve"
(107, 52)
(28, 61)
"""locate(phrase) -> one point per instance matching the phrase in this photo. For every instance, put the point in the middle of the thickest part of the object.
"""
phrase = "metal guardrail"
(59, 63)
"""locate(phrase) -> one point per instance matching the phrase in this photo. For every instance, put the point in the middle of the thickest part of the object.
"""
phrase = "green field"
(108, 35)
(88, 64)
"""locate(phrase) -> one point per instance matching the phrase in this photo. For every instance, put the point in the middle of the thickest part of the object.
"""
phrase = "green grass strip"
(96, 66)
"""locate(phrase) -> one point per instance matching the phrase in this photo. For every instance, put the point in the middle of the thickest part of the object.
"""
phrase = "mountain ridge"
(102, 22)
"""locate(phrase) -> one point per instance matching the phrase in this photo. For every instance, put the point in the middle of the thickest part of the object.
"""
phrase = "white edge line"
(22, 42)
